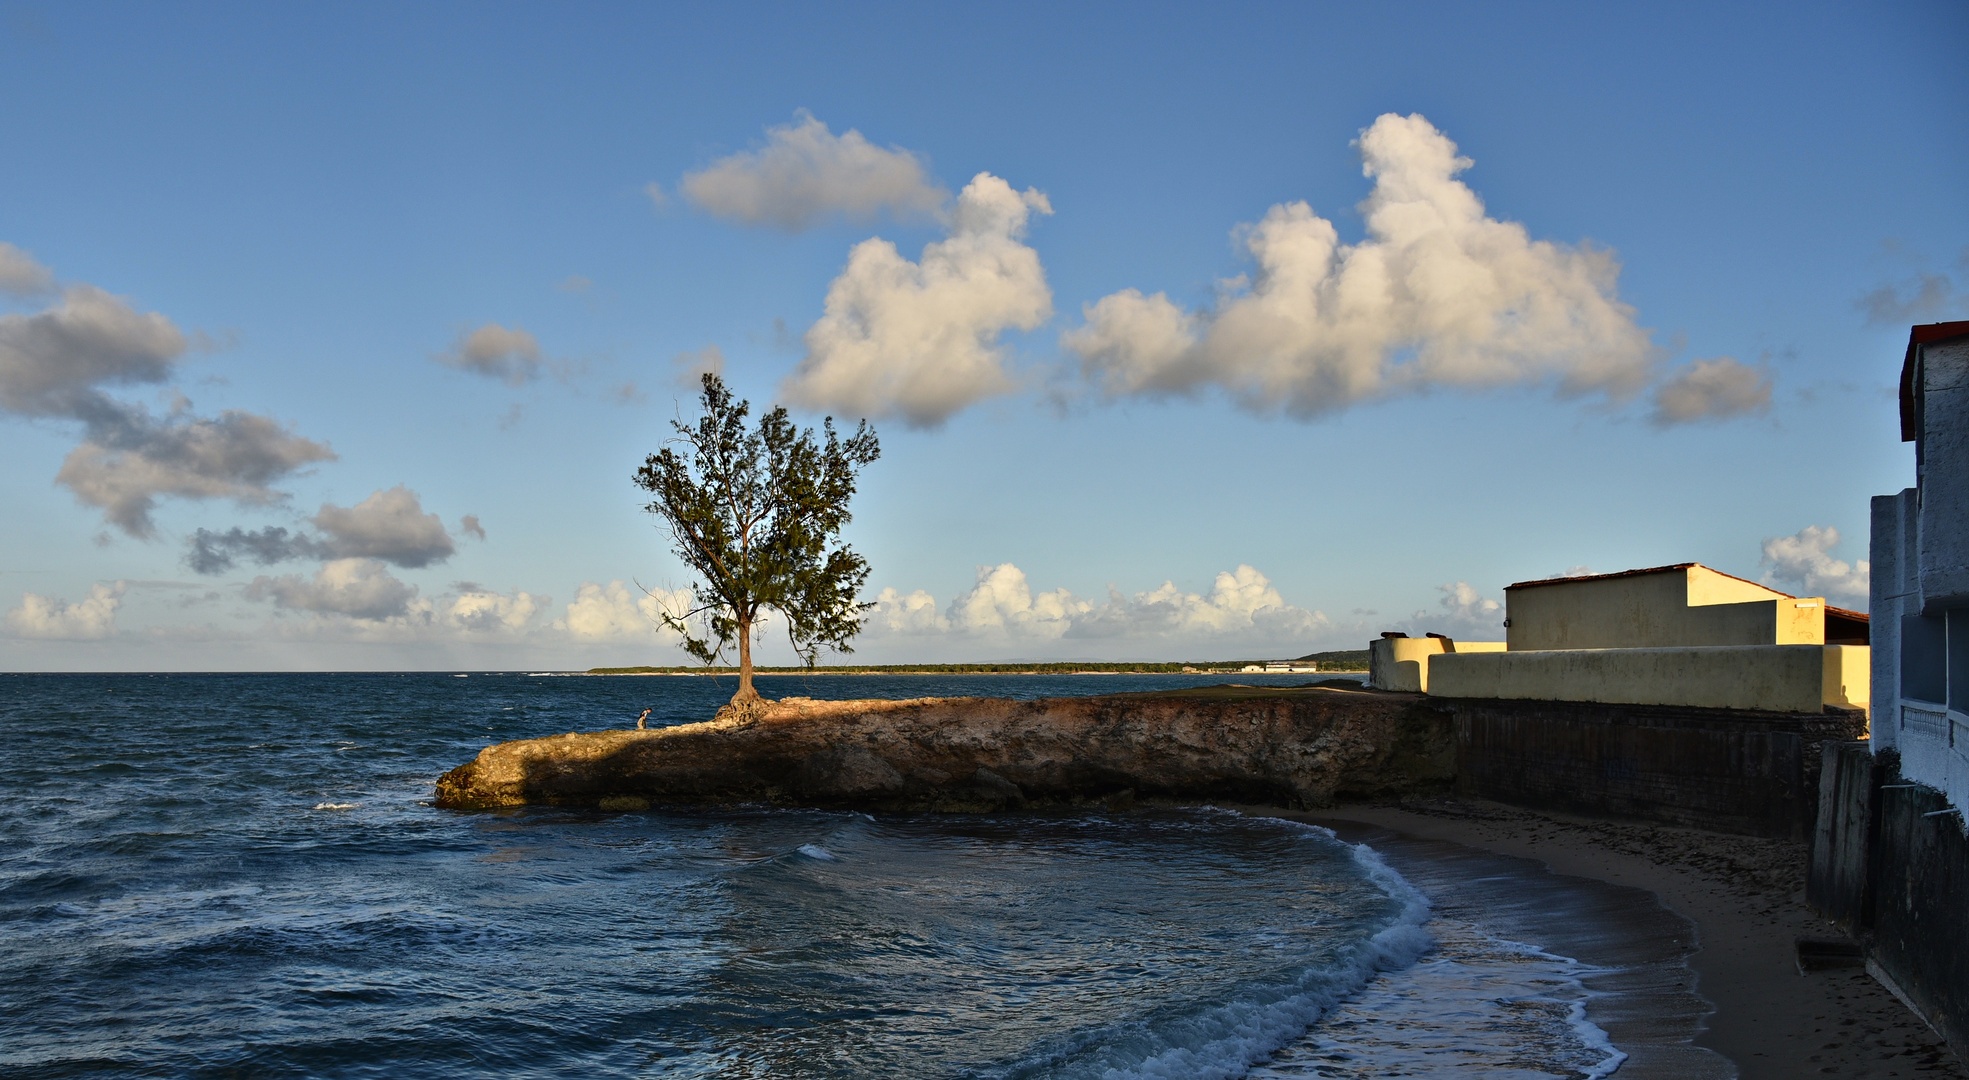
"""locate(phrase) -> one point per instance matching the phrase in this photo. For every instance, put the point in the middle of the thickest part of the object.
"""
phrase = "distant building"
(1281, 667)
(1920, 556)
(1682, 635)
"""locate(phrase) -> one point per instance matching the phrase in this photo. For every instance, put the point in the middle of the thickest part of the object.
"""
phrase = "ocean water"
(241, 876)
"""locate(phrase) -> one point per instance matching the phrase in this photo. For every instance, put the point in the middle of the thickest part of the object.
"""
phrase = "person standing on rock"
(642, 722)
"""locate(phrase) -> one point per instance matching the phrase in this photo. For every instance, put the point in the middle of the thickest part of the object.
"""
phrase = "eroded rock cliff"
(1295, 747)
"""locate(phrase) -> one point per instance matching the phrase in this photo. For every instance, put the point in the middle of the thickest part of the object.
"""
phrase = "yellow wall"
(1707, 586)
(1674, 608)
(1403, 663)
(1781, 678)
(1848, 676)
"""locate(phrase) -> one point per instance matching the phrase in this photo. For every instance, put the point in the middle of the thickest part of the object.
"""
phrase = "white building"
(1920, 555)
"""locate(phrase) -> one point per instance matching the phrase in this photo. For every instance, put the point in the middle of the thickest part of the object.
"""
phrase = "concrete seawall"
(1727, 770)
(1890, 866)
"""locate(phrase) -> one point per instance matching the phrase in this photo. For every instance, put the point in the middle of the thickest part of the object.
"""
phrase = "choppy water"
(240, 875)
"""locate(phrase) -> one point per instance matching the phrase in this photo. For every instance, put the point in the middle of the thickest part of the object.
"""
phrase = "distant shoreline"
(1338, 662)
(932, 671)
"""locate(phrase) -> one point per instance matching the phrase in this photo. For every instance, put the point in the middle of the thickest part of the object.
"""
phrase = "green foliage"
(758, 513)
(1340, 660)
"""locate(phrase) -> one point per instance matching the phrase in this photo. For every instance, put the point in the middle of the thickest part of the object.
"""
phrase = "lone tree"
(758, 514)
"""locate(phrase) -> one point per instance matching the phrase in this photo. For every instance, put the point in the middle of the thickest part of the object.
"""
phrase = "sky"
(331, 337)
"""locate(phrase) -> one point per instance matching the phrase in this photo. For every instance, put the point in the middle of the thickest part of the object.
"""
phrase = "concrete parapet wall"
(1749, 772)
(1770, 678)
(1403, 663)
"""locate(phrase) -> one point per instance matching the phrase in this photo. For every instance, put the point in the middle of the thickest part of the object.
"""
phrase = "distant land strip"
(1338, 660)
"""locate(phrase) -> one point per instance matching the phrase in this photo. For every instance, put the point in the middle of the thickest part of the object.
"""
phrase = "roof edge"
(1533, 583)
(1917, 336)
(1639, 573)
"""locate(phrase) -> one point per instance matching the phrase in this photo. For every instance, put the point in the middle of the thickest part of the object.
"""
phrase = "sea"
(242, 876)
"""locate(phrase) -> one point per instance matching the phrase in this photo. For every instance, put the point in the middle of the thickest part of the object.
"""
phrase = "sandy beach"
(1745, 899)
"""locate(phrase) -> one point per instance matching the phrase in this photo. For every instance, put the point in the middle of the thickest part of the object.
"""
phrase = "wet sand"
(1744, 898)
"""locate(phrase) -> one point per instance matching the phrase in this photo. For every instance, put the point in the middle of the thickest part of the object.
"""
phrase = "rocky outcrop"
(1303, 747)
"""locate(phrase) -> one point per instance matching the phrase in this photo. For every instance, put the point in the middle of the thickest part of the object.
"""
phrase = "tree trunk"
(745, 691)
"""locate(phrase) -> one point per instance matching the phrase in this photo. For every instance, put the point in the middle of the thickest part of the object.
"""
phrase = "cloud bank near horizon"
(1002, 609)
(52, 618)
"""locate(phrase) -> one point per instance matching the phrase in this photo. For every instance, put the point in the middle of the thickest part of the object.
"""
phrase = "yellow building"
(1678, 606)
(1682, 635)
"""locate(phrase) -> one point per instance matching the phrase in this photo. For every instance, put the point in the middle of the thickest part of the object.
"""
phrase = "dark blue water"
(241, 876)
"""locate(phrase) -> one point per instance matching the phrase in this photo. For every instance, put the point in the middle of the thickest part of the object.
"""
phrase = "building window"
(1924, 658)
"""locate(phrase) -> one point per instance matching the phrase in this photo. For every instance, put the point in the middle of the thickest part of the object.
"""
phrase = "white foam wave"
(336, 805)
(1481, 970)
(1224, 1041)
(1271, 1036)
(815, 851)
(1478, 1005)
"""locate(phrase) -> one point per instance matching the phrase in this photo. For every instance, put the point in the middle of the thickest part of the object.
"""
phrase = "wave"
(1480, 1001)
(1224, 1040)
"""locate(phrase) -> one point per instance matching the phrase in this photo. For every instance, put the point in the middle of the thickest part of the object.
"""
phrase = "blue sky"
(1669, 331)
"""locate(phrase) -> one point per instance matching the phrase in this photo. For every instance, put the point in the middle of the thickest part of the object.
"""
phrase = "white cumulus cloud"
(1002, 606)
(357, 588)
(1463, 612)
(613, 613)
(920, 340)
(1002, 600)
(1711, 390)
(20, 274)
(899, 613)
(806, 173)
(476, 610)
(49, 617)
(389, 525)
(129, 460)
(55, 362)
(1439, 294)
(1803, 561)
(496, 352)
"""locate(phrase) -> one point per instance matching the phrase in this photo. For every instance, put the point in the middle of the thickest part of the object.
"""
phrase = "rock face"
(1302, 747)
